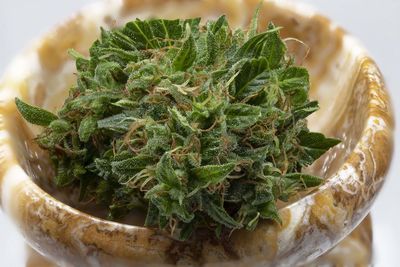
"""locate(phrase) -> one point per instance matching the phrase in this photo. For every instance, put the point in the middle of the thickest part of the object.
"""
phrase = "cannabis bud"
(198, 125)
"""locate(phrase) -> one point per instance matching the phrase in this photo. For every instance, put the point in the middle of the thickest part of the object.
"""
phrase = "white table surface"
(375, 22)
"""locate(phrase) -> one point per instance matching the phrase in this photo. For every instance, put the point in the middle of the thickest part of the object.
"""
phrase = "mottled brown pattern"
(326, 215)
(312, 225)
(129, 6)
(265, 246)
(55, 226)
(40, 95)
(52, 51)
(355, 250)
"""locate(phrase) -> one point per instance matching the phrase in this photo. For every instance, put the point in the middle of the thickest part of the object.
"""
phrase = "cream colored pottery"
(354, 107)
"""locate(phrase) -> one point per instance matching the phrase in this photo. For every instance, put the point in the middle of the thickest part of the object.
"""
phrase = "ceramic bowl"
(354, 104)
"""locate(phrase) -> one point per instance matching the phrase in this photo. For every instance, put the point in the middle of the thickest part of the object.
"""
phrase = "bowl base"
(354, 250)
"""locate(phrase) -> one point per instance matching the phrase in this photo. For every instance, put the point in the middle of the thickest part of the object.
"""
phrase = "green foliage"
(187, 53)
(35, 115)
(242, 116)
(212, 174)
(200, 126)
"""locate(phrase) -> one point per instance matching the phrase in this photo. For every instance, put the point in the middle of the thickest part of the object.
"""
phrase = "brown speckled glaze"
(354, 107)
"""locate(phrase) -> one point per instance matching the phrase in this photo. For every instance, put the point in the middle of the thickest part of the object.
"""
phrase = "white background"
(375, 22)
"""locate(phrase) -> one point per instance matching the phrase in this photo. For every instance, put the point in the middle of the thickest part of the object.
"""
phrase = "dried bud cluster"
(198, 125)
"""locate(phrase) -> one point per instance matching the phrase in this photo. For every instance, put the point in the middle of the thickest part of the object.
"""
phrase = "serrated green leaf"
(255, 154)
(60, 126)
(103, 167)
(212, 174)
(274, 48)
(126, 168)
(126, 103)
(305, 110)
(187, 53)
(156, 33)
(270, 212)
(254, 21)
(314, 145)
(165, 172)
(252, 78)
(152, 217)
(181, 121)
(219, 23)
(295, 82)
(267, 44)
(219, 214)
(210, 50)
(182, 213)
(159, 138)
(118, 123)
(34, 115)
(85, 102)
(168, 207)
(262, 196)
(306, 179)
(166, 31)
(64, 176)
(82, 64)
(211, 146)
(316, 140)
(110, 75)
(157, 190)
(118, 55)
(141, 32)
(241, 116)
(87, 127)
(113, 39)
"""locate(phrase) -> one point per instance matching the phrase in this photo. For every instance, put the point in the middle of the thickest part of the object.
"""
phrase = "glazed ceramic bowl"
(354, 107)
